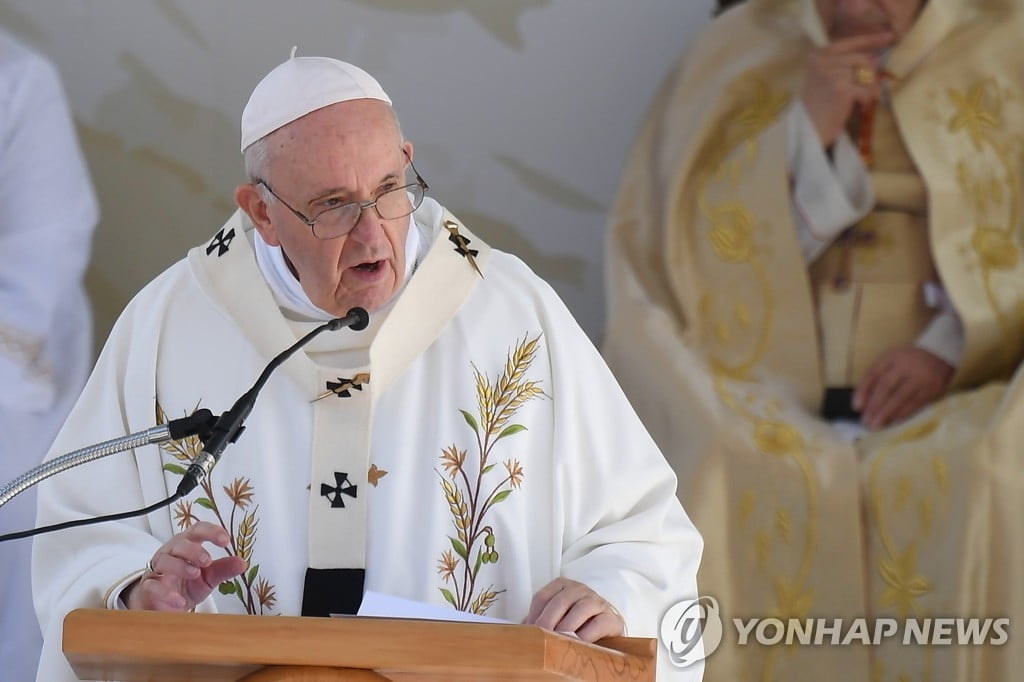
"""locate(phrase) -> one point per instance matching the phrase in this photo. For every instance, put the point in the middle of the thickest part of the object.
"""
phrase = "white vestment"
(47, 215)
(387, 470)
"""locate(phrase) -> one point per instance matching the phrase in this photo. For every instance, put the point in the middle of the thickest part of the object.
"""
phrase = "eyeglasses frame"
(311, 222)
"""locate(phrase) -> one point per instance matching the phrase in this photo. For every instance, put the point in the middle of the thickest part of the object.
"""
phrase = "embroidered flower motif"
(183, 515)
(375, 474)
(515, 473)
(777, 438)
(995, 248)
(972, 115)
(905, 583)
(731, 236)
(791, 601)
(239, 492)
(265, 594)
(447, 565)
(763, 108)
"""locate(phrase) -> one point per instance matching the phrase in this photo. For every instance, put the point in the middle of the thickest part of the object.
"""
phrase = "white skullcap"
(300, 86)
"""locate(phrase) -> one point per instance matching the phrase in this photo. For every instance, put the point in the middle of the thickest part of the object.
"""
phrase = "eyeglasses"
(337, 221)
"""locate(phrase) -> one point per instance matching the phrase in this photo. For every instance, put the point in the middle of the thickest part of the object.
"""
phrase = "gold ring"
(863, 75)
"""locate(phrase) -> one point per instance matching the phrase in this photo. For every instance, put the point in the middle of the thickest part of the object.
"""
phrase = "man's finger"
(541, 598)
(866, 386)
(155, 594)
(224, 569)
(556, 609)
(586, 607)
(887, 404)
(605, 624)
(868, 42)
(167, 564)
(883, 386)
(204, 531)
(213, 575)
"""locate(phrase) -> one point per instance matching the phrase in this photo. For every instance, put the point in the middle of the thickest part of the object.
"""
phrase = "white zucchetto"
(300, 86)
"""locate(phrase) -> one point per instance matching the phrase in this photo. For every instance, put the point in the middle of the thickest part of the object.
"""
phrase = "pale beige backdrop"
(522, 112)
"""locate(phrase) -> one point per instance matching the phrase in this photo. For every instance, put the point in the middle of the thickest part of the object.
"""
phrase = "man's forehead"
(353, 125)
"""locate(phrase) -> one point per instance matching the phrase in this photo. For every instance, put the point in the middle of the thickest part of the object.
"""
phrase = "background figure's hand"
(565, 605)
(831, 84)
(899, 383)
(184, 573)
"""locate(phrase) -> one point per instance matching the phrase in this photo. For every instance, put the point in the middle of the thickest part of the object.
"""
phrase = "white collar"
(288, 293)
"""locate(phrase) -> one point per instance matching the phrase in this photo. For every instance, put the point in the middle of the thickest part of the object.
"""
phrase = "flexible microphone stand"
(215, 434)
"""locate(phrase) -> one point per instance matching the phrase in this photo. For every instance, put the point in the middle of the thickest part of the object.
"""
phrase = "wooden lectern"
(132, 646)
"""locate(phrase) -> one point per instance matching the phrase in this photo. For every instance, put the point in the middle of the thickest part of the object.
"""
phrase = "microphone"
(198, 423)
(356, 319)
(215, 434)
(229, 426)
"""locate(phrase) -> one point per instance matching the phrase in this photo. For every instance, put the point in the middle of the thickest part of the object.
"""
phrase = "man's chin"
(371, 302)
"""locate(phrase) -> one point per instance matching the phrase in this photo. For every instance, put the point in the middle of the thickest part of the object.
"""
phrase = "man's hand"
(183, 572)
(898, 384)
(839, 76)
(568, 606)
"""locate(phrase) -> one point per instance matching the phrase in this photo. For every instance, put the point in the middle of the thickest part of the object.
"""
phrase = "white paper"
(380, 605)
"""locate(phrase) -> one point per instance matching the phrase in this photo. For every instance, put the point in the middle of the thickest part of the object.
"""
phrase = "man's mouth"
(372, 266)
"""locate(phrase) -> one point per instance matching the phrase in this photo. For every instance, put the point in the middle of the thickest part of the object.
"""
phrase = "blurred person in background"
(816, 304)
(47, 215)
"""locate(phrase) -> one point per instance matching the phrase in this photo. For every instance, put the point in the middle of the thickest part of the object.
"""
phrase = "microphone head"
(362, 318)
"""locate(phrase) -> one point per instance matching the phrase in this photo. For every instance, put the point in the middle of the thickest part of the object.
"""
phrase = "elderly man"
(47, 215)
(468, 449)
(817, 307)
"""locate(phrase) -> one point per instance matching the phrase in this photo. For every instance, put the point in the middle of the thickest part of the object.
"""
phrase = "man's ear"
(250, 199)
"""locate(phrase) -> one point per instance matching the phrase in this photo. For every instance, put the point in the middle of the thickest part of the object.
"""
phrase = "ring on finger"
(863, 75)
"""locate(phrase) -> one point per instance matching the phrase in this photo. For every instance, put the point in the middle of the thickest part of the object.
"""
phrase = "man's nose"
(368, 226)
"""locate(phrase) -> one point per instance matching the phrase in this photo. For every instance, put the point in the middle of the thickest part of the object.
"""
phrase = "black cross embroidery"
(343, 387)
(462, 245)
(342, 485)
(221, 242)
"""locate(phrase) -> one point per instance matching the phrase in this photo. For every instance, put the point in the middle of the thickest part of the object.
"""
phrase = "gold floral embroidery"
(978, 114)
(906, 584)
(374, 475)
(776, 438)
(792, 601)
(898, 568)
(732, 228)
(995, 248)
(971, 114)
(469, 499)
(256, 594)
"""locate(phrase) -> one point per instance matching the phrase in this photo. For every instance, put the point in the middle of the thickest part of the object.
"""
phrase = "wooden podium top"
(145, 645)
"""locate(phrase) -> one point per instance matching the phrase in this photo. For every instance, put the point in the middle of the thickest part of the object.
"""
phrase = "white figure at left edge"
(48, 212)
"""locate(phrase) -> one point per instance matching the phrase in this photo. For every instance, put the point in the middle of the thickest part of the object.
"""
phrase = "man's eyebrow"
(334, 191)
